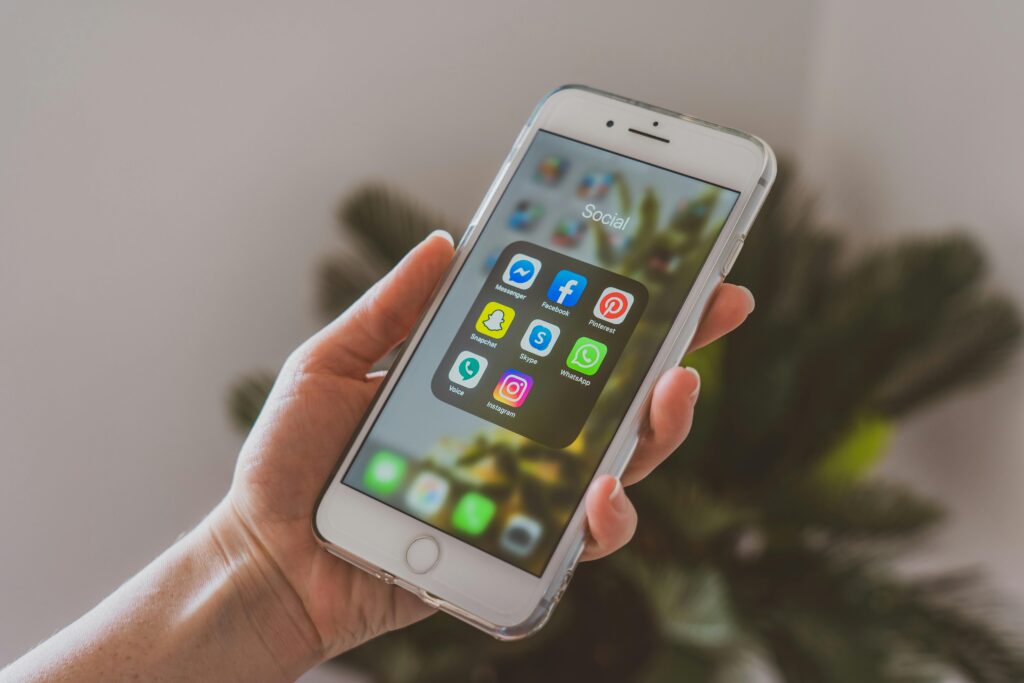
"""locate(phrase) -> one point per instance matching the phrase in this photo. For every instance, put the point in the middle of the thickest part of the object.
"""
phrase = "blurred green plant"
(766, 537)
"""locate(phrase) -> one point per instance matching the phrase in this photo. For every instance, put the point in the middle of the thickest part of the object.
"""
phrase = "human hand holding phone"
(249, 594)
(317, 402)
(254, 592)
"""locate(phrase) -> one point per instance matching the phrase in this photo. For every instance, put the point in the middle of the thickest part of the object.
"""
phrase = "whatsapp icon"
(586, 356)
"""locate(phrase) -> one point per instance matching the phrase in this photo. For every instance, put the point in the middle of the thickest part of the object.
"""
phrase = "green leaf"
(857, 453)
(707, 361)
(387, 222)
(246, 399)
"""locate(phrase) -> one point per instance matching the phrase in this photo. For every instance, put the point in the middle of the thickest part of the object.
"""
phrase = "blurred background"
(170, 183)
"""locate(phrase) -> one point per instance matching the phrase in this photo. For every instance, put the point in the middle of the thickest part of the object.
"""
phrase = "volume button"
(519, 141)
(734, 253)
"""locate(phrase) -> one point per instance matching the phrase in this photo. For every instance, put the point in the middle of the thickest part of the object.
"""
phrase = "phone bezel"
(480, 588)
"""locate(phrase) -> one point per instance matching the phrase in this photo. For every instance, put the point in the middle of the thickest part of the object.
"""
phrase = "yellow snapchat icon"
(495, 320)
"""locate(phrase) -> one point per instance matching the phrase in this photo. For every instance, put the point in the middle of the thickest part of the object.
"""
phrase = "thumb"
(384, 315)
(611, 517)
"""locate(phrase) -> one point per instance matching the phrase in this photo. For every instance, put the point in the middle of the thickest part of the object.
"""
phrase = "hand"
(318, 399)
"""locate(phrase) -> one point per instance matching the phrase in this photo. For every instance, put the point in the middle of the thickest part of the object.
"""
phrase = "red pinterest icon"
(613, 305)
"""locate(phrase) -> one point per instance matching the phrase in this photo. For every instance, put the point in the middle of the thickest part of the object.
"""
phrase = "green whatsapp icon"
(586, 356)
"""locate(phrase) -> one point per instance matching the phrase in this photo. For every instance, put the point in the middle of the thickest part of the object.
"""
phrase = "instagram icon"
(513, 388)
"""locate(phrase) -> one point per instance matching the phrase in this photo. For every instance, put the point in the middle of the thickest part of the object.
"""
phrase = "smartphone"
(580, 280)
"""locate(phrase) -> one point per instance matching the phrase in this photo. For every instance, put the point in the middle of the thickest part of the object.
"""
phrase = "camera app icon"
(521, 535)
(513, 388)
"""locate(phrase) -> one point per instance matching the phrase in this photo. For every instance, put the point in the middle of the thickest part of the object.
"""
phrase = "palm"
(291, 451)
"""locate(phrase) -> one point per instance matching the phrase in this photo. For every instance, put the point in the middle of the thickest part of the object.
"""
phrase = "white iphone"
(580, 280)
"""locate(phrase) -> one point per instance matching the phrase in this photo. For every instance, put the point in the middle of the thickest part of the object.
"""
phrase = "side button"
(734, 253)
(564, 586)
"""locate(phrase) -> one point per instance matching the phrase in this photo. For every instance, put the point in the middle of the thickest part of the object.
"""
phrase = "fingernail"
(696, 378)
(443, 233)
(618, 497)
(750, 298)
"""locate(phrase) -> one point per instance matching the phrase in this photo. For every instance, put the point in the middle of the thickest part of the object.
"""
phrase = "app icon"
(692, 211)
(513, 388)
(567, 288)
(595, 185)
(491, 260)
(613, 305)
(521, 271)
(551, 170)
(520, 535)
(495, 320)
(427, 494)
(586, 356)
(385, 472)
(525, 215)
(569, 233)
(473, 513)
(662, 261)
(467, 369)
(540, 337)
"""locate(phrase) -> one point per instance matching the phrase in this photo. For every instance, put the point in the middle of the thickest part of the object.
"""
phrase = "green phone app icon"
(473, 513)
(385, 472)
(586, 356)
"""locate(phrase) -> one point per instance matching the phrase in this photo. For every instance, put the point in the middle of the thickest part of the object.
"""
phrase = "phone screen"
(505, 409)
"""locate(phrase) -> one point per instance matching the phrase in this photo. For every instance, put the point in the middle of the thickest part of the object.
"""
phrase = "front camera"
(610, 124)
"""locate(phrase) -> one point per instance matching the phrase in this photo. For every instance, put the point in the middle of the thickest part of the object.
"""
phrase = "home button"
(422, 554)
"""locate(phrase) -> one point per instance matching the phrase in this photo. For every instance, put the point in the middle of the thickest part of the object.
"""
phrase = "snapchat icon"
(495, 320)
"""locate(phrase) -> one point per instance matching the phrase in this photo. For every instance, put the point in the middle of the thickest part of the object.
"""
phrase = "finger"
(669, 422)
(383, 316)
(611, 517)
(729, 307)
(675, 395)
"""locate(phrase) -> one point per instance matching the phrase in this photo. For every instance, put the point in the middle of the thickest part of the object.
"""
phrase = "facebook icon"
(567, 288)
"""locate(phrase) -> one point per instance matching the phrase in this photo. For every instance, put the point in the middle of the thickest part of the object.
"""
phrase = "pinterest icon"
(613, 305)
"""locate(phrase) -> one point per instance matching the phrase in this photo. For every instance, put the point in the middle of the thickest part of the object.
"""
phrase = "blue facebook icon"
(567, 288)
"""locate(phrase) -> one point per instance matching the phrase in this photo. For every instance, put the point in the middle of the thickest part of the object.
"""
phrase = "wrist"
(273, 609)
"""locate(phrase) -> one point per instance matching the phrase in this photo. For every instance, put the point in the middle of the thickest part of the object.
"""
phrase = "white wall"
(914, 124)
(168, 176)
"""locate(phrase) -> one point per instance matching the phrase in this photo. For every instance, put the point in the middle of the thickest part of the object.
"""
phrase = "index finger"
(730, 305)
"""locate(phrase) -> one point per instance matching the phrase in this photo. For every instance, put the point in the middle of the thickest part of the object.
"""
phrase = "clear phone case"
(671, 354)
